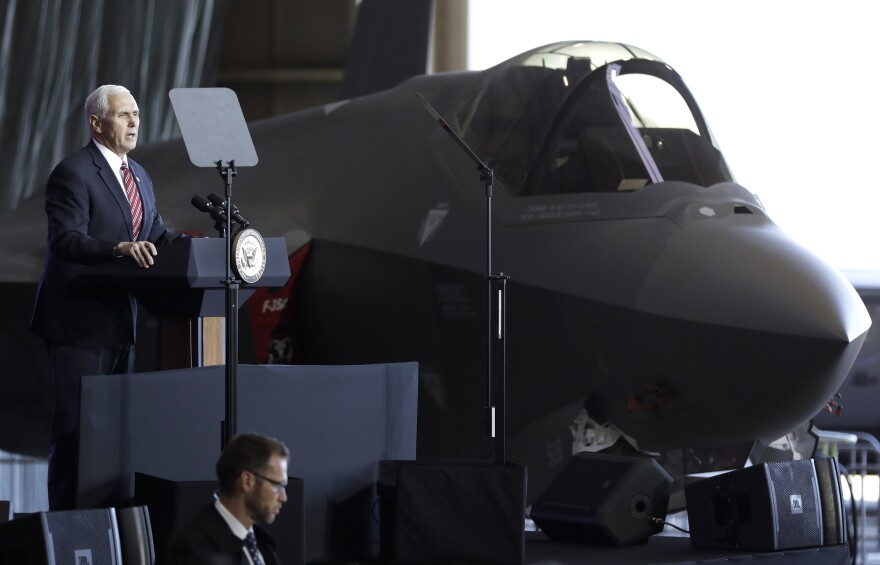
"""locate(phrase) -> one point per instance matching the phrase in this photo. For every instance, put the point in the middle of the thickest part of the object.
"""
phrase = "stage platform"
(339, 422)
(669, 550)
(342, 420)
(659, 550)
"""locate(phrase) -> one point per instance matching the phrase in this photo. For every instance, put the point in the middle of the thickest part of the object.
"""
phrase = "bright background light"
(787, 87)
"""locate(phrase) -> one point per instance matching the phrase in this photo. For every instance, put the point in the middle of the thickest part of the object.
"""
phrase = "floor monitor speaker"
(769, 507)
(604, 499)
(84, 537)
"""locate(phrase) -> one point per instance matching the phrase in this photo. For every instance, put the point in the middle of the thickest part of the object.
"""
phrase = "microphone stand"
(232, 284)
(496, 311)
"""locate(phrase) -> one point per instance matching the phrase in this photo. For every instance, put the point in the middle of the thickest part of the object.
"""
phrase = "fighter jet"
(648, 290)
(646, 285)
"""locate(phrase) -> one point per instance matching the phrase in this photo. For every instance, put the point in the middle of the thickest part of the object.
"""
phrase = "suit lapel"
(219, 532)
(112, 183)
(266, 543)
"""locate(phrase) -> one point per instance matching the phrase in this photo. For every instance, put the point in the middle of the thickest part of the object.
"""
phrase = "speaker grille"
(84, 537)
(770, 506)
(795, 495)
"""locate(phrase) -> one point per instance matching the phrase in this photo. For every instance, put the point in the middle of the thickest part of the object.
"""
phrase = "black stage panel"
(668, 550)
(338, 421)
(434, 512)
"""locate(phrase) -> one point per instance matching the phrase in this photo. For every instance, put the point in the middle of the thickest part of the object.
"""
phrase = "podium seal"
(249, 255)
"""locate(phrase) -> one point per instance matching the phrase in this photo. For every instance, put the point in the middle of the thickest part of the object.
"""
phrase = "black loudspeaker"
(769, 507)
(172, 504)
(604, 499)
(84, 537)
(452, 512)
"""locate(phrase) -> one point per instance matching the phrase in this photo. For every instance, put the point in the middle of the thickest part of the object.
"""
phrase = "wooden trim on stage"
(212, 341)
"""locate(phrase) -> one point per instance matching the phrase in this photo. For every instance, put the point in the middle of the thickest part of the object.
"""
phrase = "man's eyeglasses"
(277, 486)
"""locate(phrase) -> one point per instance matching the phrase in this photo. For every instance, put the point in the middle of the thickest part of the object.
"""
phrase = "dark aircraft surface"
(646, 285)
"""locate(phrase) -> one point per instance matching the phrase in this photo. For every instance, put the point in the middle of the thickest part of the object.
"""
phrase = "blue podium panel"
(338, 421)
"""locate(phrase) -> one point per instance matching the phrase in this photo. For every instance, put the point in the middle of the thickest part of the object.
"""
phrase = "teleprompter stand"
(216, 135)
(496, 310)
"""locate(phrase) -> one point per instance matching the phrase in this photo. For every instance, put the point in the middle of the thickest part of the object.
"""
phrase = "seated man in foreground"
(252, 472)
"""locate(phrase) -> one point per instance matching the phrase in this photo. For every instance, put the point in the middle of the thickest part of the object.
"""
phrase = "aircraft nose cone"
(755, 332)
(746, 273)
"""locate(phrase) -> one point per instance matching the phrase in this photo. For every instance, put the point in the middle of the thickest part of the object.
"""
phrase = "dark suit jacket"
(88, 215)
(207, 540)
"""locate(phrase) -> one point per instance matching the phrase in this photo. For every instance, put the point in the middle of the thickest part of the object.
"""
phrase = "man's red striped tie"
(134, 201)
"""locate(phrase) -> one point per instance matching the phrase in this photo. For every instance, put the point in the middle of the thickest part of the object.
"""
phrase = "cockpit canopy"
(587, 117)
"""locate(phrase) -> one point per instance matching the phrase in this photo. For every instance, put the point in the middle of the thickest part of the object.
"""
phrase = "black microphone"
(202, 203)
(220, 202)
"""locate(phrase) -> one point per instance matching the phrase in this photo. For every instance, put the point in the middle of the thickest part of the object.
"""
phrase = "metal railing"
(23, 482)
(859, 457)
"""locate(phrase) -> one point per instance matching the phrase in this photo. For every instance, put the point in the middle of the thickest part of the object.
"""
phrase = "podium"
(185, 289)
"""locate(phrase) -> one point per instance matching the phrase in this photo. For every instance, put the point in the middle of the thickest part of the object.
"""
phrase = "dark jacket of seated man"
(208, 540)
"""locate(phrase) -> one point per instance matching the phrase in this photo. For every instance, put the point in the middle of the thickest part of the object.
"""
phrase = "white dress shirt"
(115, 164)
(237, 528)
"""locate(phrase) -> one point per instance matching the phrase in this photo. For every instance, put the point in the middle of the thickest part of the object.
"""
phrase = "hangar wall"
(298, 60)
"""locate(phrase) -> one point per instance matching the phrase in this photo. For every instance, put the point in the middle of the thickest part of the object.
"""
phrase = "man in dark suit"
(100, 207)
(252, 472)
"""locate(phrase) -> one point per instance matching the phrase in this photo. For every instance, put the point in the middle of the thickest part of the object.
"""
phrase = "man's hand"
(141, 251)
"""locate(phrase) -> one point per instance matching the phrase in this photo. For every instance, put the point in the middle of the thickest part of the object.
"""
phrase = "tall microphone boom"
(219, 202)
